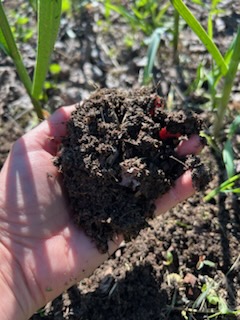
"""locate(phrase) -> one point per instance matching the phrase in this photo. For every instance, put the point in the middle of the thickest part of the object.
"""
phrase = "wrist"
(15, 302)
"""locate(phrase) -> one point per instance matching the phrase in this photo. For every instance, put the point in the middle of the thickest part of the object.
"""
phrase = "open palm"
(35, 219)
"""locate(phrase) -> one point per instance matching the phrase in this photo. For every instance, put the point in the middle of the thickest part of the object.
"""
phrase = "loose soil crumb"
(119, 156)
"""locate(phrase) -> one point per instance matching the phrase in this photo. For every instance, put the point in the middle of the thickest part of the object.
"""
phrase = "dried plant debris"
(119, 156)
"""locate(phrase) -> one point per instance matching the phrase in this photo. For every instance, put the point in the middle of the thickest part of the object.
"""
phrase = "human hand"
(42, 252)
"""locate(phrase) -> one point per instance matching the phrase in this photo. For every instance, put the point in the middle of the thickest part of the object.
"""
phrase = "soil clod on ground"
(119, 156)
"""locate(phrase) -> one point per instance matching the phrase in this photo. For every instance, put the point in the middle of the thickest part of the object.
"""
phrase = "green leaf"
(196, 27)
(161, 12)
(206, 289)
(228, 154)
(123, 12)
(213, 298)
(151, 54)
(12, 49)
(215, 3)
(228, 158)
(223, 307)
(3, 43)
(9, 43)
(199, 2)
(49, 14)
(228, 184)
(233, 127)
(235, 190)
(227, 87)
(133, 20)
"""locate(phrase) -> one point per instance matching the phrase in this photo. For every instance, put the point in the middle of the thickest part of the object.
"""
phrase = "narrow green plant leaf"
(151, 54)
(123, 12)
(206, 288)
(223, 307)
(233, 127)
(227, 87)
(228, 154)
(235, 190)
(196, 27)
(209, 263)
(229, 52)
(228, 158)
(3, 43)
(216, 73)
(132, 19)
(224, 187)
(138, 14)
(107, 3)
(161, 12)
(215, 3)
(17, 59)
(10, 44)
(213, 298)
(210, 26)
(49, 14)
(198, 2)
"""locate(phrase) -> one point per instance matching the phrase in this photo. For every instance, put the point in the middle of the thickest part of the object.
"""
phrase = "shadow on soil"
(119, 299)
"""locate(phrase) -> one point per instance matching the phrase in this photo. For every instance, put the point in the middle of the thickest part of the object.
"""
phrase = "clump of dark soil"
(119, 156)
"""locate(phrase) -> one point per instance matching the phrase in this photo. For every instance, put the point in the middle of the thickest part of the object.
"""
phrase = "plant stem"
(227, 88)
(17, 59)
(176, 36)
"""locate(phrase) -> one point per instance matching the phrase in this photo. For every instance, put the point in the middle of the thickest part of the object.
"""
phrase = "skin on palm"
(35, 221)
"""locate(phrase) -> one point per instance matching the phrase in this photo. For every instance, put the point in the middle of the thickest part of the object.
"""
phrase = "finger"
(48, 135)
(182, 189)
(193, 145)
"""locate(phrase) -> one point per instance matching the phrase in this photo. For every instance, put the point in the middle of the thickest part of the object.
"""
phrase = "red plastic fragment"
(158, 103)
(164, 134)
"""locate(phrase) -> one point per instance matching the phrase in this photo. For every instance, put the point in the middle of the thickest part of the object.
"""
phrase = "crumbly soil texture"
(119, 156)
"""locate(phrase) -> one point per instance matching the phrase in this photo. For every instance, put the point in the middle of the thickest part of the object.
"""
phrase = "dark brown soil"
(119, 156)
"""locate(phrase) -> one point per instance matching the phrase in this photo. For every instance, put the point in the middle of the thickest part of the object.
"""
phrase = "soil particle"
(119, 156)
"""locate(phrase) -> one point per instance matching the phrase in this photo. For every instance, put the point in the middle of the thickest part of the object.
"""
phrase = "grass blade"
(228, 158)
(228, 83)
(201, 33)
(10, 44)
(3, 43)
(233, 127)
(132, 20)
(151, 54)
(49, 14)
(123, 12)
(228, 154)
(225, 186)
(227, 57)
